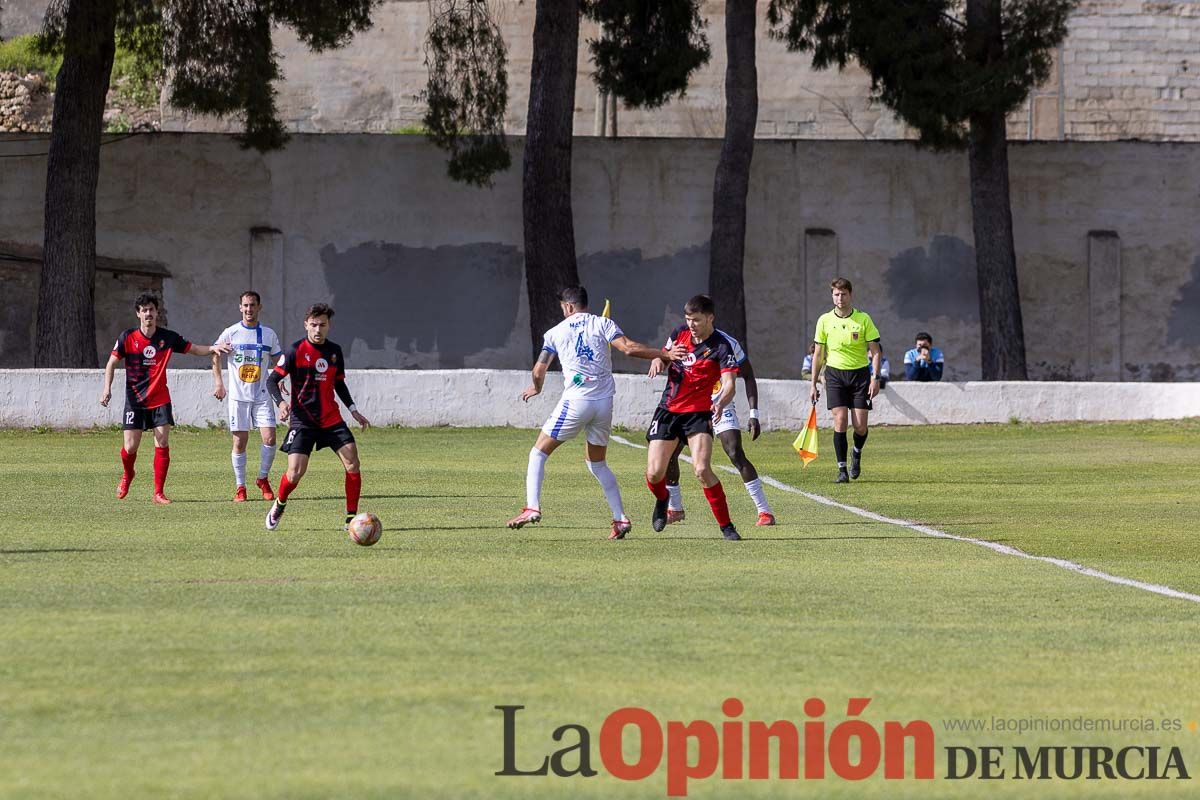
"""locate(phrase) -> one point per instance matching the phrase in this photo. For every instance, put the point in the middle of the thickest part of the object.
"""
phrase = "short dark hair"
(575, 295)
(251, 293)
(700, 304)
(924, 335)
(147, 299)
(843, 284)
(319, 310)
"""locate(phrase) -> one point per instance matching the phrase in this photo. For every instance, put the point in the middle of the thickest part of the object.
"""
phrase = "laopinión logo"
(732, 749)
(854, 749)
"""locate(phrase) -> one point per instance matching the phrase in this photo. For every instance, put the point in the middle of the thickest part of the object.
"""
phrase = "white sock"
(266, 457)
(239, 468)
(676, 502)
(534, 475)
(755, 489)
(608, 481)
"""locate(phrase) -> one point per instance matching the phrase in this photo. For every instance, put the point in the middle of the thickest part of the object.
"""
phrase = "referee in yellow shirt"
(845, 339)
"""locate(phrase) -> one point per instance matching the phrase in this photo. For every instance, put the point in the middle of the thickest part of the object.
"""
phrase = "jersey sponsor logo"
(149, 352)
(688, 360)
(321, 366)
(248, 373)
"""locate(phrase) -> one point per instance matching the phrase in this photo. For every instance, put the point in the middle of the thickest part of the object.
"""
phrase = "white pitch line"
(1002, 549)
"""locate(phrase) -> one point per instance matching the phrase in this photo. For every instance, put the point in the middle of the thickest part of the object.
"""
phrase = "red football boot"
(240, 495)
(265, 485)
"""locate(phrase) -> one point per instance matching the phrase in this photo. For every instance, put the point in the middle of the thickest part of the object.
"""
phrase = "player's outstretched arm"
(219, 348)
(110, 370)
(638, 350)
(538, 375)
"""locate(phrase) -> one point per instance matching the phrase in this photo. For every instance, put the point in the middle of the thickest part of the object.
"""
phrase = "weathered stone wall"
(25, 105)
(429, 274)
(1128, 70)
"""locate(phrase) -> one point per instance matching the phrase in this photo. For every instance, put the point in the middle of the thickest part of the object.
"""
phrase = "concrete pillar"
(820, 267)
(1105, 361)
(267, 272)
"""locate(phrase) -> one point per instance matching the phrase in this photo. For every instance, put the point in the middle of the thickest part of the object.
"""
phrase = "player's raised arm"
(673, 352)
(538, 375)
(218, 348)
(110, 370)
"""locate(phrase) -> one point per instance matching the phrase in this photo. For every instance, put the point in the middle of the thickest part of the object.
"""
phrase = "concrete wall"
(428, 274)
(466, 398)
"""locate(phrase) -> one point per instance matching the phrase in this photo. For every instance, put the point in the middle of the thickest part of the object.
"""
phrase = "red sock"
(285, 488)
(353, 487)
(715, 495)
(127, 461)
(659, 490)
(162, 462)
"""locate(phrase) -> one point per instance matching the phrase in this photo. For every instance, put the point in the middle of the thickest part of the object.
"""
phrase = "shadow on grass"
(49, 550)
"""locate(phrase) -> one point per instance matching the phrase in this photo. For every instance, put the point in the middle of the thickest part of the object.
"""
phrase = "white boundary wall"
(467, 398)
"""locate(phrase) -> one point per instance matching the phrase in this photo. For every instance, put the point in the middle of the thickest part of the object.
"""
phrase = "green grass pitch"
(185, 652)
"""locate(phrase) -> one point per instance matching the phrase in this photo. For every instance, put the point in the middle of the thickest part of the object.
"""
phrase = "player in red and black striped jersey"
(317, 368)
(688, 409)
(146, 351)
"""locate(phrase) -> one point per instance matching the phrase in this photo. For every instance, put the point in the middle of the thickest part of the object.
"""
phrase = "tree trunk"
(546, 176)
(66, 315)
(1002, 332)
(728, 244)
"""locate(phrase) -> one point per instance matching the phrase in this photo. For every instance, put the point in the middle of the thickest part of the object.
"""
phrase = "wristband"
(353, 408)
(754, 413)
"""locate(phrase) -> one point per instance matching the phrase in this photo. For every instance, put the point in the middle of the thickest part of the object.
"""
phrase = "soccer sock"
(716, 501)
(266, 457)
(239, 468)
(127, 461)
(859, 441)
(162, 462)
(534, 475)
(659, 490)
(285, 488)
(676, 493)
(755, 489)
(839, 447)
(353, 487)
(608, 482)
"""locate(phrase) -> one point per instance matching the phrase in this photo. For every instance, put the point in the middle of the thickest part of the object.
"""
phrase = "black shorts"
(145, 419)
(669, 425)
(848, 387)
(301, 441)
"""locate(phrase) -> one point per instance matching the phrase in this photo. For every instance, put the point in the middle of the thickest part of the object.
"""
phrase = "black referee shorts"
(848, 388)
(301, 441)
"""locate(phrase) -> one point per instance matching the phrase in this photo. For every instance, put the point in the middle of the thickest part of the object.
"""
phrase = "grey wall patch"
(1183, 326)
(455, 300)
(645, 291)
(940, 283)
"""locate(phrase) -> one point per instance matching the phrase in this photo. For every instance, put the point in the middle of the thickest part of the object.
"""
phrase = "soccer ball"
(365, 529)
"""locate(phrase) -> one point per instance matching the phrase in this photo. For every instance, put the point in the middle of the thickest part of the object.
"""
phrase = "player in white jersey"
(581, 343)
(728, 430)
(255, 348)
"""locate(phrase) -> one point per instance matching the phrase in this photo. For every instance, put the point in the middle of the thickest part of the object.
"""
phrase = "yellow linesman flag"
(607, 312)
(806, 442)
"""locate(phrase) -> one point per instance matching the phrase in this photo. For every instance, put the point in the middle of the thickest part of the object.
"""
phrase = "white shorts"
(594, 417)
(254, 414)
(728, 420)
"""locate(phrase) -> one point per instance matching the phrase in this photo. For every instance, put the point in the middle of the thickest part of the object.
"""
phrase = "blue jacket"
(915, 369)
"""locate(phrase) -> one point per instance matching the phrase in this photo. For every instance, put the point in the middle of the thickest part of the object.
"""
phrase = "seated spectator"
(924, 362)
(806, 367)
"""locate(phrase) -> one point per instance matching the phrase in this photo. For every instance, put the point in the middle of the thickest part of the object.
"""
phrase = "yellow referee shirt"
(844, 339)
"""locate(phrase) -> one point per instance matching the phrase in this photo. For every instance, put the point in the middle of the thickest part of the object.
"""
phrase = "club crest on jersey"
(149, 352)
(321, 366)
(854, 335)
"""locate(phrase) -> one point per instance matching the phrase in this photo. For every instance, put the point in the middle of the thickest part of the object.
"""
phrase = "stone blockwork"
(25, 104)
(1128, 70)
